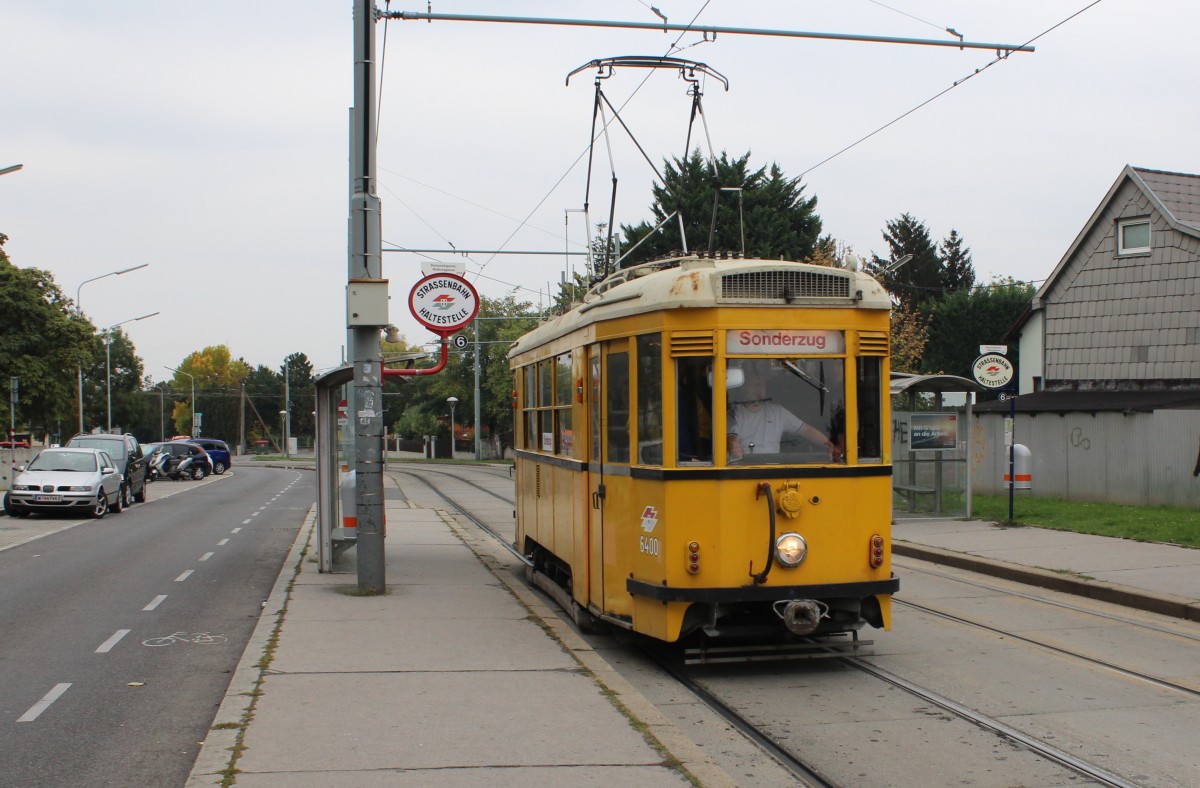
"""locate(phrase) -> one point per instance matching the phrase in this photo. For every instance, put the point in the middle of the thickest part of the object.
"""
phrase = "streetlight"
(108, 361)
(79, 313)
(453, 401)
(283, 419)
(181, 372)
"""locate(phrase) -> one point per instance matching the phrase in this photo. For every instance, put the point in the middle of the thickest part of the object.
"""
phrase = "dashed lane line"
(158, 600)
(107, 645)
(184, 576)
(36, 709)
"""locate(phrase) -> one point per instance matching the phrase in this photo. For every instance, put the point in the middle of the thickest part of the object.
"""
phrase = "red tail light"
(875, 554)
(693, 558)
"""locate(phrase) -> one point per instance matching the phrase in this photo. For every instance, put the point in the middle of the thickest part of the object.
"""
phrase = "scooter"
(167, 466)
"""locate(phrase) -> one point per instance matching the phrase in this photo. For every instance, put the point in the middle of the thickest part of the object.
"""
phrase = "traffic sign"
(992, 370)
(444, 303)
(460, 341)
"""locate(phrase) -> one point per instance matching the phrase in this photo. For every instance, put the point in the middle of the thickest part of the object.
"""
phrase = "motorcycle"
(165, 465)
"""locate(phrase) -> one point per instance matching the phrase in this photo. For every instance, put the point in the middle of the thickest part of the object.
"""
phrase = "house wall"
(1029, 349)
(1141, 459)
(1125, 321)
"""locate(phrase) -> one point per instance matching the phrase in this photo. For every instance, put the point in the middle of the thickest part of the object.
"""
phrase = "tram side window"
(870, 409)
(546, 404)
(617, 407)
(649, 399)
(529, 401)
(694, 408)
(562, 404)
(594, 372)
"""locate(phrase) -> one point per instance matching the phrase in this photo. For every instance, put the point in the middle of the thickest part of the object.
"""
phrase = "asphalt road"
(118, 637)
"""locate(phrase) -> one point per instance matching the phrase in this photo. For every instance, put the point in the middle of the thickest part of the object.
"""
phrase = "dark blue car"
(218, 451)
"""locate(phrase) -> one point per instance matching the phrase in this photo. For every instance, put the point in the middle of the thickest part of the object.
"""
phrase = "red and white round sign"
(443, 303)
(992, 370)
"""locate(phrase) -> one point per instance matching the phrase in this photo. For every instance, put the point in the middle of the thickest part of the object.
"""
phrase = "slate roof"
(1178, 192)
(1175, 194)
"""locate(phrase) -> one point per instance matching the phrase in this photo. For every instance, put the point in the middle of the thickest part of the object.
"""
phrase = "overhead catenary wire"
(1000, 57)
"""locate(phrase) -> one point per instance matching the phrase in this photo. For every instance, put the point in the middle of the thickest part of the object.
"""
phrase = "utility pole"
(365, 266)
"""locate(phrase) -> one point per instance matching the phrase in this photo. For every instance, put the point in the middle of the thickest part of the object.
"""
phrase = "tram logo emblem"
(649, 519)
(444, 302)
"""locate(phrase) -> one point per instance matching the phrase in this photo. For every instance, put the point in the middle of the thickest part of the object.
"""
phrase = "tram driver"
(757, 426)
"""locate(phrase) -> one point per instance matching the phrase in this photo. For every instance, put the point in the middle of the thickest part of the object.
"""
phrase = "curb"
(220, 745)
(691, 759)
(1099, 590)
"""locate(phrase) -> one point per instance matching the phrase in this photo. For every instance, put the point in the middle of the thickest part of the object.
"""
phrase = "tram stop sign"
(992, 371)
(443, 303)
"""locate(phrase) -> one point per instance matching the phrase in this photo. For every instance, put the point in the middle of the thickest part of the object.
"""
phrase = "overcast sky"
(210, 141)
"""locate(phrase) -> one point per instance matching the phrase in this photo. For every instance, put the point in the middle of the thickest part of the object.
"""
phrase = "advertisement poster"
(937, 431)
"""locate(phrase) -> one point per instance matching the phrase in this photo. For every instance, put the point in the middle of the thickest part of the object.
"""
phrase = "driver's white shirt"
(763, 428)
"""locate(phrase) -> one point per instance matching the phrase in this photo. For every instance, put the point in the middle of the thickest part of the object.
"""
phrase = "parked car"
(202, 464)
(127, 453)
(218, 452)
(66, 480)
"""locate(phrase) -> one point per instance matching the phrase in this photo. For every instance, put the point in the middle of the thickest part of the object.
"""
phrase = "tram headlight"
(790, 549)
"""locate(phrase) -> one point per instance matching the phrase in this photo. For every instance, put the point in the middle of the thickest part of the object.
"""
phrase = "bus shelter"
(333, 448)
(931, 444)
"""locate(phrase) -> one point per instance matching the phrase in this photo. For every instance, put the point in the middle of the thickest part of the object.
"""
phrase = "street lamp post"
(108, 363)
(181, 372)
(283, 423)
(453, 401)
(79, 313)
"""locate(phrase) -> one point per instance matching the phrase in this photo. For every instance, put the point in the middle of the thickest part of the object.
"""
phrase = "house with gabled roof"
(1109, 353)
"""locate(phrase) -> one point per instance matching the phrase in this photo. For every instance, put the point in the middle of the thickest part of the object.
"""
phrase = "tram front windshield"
(786, 410)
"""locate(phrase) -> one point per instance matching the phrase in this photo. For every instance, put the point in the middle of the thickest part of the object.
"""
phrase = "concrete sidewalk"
(1158, 578)
(463, 676)
(460, 675)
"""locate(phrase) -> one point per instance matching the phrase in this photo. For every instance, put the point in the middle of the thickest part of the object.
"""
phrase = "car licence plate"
(47, 499)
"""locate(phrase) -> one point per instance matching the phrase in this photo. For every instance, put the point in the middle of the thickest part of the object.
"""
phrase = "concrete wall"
(1143, 459)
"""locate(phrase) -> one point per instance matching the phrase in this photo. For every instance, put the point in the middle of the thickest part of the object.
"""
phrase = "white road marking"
(222, 542)
(43, 704)
(107, 645)
(206, 556)
(235, 530)
(245, 522)
(158, 600)
(184, 576)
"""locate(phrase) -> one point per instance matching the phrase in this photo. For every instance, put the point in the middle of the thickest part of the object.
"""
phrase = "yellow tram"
(702, 451)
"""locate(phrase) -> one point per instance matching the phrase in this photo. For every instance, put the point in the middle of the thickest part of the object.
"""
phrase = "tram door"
(595, 482)
(609, 369)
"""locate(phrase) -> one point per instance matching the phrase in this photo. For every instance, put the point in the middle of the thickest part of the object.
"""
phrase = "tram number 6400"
(648, 545)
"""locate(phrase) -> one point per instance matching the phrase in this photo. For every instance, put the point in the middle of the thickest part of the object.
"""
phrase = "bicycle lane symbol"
(197, 638)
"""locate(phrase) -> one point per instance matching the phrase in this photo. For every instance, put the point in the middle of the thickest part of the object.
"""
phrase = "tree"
(41, 343)
(217, 379)
(780, 222)
(920, 278)
(117, 369)
(302, 394)
(910, 334)
(962, 321)
(958, 273)
(411, 404)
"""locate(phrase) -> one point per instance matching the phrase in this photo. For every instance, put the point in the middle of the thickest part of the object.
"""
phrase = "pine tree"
(958, 273)
(917, 280)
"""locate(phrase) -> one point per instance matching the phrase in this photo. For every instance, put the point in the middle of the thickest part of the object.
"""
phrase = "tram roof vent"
(783, 285)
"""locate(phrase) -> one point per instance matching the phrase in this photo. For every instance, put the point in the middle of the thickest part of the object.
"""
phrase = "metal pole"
(364, 262)
(478, 445)
(79, 314)
(287, 410)
(108, 377)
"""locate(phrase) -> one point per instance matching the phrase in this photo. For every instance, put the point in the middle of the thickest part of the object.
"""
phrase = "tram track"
(780, 750)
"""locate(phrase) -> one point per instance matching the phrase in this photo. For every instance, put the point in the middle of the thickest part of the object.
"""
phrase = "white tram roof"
(693, 282)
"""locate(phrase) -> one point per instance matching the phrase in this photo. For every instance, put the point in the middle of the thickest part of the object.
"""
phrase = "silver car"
(66, 480)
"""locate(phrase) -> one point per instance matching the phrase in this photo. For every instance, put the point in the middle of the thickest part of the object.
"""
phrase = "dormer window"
(1133, 236)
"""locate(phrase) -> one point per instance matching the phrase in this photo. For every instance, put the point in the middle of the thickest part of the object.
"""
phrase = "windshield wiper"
(807, 378)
